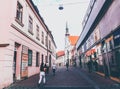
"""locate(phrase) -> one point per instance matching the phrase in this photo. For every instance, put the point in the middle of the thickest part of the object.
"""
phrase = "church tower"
(67, 44)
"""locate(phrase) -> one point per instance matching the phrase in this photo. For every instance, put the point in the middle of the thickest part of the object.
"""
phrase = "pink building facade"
(25, 41)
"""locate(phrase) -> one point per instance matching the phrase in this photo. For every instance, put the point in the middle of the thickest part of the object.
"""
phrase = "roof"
(60, 53)
(73, 39)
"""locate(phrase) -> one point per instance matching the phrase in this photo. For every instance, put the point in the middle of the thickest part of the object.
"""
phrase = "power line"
(62, 3)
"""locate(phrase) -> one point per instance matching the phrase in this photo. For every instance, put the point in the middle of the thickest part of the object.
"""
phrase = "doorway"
(49, 60)
(16, 48)
(117, 57)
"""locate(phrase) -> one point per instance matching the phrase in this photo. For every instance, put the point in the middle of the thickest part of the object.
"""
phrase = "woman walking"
(42, 74)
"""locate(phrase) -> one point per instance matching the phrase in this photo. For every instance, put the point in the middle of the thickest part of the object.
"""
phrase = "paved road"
(75, 78)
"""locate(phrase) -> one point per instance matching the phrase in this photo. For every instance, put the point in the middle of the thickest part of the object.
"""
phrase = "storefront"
(116, 37)
(107, 55)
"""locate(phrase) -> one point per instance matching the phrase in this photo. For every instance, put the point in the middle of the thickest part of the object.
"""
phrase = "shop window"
(42, 58)
(95, 55)
(29, 57)
(46, 60)
(37, 59)
(109, 45)
(103, 48)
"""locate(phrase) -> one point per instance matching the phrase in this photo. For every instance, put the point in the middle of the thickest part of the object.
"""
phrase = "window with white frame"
(30, 25)
(19, 13)
(42, 37)
(46, 43)
(37, 32)
(49, 44)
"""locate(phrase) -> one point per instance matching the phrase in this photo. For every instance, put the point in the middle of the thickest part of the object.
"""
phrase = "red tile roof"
(60, 53)
(73, 39)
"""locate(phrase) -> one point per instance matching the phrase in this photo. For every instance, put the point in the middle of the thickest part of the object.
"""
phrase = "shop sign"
(90, 52)
(109, 39)
(24, 68)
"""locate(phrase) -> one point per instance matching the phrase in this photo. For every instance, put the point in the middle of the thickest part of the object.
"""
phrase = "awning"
(90, 52)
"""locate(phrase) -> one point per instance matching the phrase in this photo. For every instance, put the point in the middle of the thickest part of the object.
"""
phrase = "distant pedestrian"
(67, 65)
(42, 74)
(47, 68)
(89, 65)
(54, 68)
(95, 65)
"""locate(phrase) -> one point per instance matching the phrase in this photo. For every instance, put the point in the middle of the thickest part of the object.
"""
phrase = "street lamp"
(61, 7)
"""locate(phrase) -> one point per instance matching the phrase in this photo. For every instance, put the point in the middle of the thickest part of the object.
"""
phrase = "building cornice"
(19, 30)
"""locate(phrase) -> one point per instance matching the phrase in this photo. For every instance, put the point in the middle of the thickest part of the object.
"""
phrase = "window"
(29, 57)
(49, 44)
(42, 37)
(30, 25)
(42, 58)
(37, 59)
(46, 43)
(19, 13)
(46, 60)
(37, 32)
(109, 45)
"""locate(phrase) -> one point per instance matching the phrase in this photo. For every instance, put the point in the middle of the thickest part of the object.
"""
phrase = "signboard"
(24, 63)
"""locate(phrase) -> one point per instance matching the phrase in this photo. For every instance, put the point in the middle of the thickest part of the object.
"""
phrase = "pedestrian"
(45, 68)
(95, 65)
(54, 68)
(42, 74)
(47, 71)
(67, 65)
(89, 65)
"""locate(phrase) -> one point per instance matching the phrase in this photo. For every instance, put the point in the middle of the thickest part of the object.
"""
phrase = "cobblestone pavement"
(74, 78)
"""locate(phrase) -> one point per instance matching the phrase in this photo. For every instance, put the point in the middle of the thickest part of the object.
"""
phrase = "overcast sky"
(55, 19)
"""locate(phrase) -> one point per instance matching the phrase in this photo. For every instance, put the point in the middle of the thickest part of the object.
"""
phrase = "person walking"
(42, 74)
(67, 65)
(95, 65)
(89, 65)
(54, 68)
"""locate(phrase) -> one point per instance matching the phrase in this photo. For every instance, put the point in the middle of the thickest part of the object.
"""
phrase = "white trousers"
(42, 76)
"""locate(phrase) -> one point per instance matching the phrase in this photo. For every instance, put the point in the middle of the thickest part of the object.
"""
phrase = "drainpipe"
(47, 49)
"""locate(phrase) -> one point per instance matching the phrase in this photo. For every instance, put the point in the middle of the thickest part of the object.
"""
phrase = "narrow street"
(74, 78)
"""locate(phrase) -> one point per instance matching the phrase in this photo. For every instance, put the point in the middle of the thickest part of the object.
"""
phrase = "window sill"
(30, 32)
(18, 21)
(3, 45)
(37, 38)
(42, 43)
